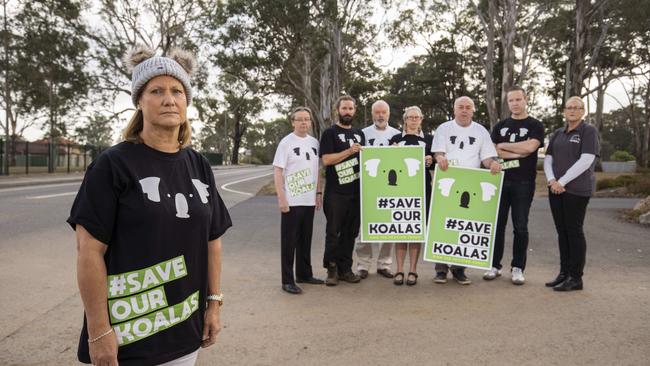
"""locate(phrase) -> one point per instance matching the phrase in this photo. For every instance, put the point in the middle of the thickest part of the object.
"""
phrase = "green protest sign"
(392, 194)
(463, 216)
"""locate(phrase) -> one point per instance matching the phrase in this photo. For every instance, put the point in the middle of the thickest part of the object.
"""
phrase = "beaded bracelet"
(100, 336)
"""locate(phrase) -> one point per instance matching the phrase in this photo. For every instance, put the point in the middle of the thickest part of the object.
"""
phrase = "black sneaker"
(349, 277)
(459, 276)
(332, 278)
(441, 277)
(363, 274)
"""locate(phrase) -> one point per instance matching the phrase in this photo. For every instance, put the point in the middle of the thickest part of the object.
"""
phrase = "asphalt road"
(371, 323)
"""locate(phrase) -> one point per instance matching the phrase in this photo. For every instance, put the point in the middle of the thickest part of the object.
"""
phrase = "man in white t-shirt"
(465, 143)
(377, 134)
(297, 183)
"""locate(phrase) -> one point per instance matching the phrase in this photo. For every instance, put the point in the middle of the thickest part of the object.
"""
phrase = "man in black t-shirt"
(339, 148)
(517, 140)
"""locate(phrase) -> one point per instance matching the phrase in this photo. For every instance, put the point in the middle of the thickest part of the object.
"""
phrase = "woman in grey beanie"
(148, 220)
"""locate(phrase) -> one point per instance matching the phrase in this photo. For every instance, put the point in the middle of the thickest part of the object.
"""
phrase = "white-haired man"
(464, 143)
(378, 133)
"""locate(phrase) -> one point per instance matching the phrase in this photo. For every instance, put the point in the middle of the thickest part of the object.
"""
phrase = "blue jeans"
(516, 197)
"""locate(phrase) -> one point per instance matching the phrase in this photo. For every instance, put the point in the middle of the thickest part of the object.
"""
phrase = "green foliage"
(638, 184)
(97, 131)
(50, 56)
(621, 155)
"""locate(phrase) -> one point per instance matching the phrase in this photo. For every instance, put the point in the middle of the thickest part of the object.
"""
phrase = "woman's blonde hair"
(132, 131)
(406, 114)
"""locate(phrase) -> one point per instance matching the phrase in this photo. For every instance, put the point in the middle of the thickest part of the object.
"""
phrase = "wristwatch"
(215, 297)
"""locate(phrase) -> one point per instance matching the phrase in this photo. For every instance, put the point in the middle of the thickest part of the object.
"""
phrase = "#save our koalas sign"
(392, 194)
(462, 221)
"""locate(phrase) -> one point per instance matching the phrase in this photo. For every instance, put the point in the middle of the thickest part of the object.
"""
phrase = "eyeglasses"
(573, 108)
(302, 119)
(414, 117)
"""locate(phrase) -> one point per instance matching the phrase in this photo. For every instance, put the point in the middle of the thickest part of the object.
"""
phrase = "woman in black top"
(412, 136)
(569, 168)
(148, 220)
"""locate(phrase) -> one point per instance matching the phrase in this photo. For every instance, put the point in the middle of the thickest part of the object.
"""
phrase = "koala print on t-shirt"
(355, 140)
(512, 134)
(461, 142)
(150, 188)
(307, 155)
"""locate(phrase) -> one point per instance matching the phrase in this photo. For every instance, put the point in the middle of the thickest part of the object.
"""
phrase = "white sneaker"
(518, 276)
(492, 274)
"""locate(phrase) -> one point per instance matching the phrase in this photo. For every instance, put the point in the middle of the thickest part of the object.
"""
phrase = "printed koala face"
(150, 188)
(408, 166)
(306, 154)
(512, 133)
(356, 139)
(461, 142)
(466, 193)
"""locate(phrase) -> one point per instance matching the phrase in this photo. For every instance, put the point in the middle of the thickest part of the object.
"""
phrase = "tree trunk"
(646, 133)
(490, 85)
(600, 106)
(508, 45)
(238, 132)
(580, 47)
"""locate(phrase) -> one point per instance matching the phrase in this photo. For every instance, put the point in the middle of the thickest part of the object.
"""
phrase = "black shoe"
(459, 276)
(570, 284)
(415, 280)
(363, 274)
(398, 279)
(310, 280)
(441, 277)
(350, 277)
(385, 272)
(292, 289)
(332, 277)
(561, 277)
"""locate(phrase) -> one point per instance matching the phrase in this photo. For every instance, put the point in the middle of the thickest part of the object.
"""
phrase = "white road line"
(3, 190)
(51, 195)
(225, 186)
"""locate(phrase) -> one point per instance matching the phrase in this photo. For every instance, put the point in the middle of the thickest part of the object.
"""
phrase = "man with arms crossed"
(517, 140)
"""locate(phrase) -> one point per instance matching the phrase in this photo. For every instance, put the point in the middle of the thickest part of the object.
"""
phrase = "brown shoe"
(350, 277)
(363, 274)
(332, 277)
(385, 272)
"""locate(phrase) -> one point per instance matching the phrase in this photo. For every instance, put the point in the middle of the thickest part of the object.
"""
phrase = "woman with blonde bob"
(412, 136)
(148, 222)
(569, 167)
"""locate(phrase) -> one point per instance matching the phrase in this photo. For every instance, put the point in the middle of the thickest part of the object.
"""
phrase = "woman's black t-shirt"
(156, 213)
(425, 141)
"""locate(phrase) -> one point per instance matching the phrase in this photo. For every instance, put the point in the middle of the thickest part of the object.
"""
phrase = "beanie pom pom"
(137, 55)
(184, 58)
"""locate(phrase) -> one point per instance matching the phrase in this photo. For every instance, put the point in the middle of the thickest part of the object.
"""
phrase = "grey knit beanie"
(144, 66)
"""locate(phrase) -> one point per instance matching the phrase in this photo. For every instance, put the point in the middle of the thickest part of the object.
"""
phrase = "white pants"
(187, 360)
(364, 255)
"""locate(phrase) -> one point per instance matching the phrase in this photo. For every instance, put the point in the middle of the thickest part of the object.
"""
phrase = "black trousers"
(569, 215)
(516, 198)
(342, 213)
(296, 230)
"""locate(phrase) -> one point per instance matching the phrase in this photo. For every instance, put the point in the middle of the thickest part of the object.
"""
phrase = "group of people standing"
(512, 147)
(149, 219)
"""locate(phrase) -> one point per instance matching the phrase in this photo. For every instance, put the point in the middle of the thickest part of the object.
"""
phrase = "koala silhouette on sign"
(466, 191)
(412, 166)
